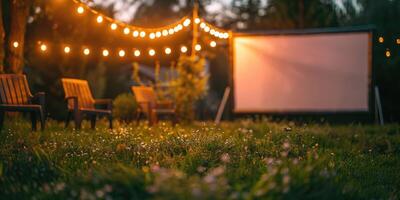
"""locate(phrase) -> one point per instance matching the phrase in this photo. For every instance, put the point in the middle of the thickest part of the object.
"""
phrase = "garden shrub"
(124, 107)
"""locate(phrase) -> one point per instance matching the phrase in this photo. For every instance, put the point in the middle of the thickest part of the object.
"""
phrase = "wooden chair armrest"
(40, 98)
(165, 104)
(107, 102)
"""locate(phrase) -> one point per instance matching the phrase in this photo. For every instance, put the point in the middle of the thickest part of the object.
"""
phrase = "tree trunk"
(2, 34)
(19, 10)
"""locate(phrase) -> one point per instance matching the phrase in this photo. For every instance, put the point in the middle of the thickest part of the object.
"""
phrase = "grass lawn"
(237, 160)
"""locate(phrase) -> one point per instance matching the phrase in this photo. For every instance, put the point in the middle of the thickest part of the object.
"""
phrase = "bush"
(124, 107)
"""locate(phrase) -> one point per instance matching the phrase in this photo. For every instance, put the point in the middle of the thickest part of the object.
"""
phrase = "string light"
(207, 29)
(67, 49)
(152, 35)
(171, 31)
(213, 44)
(43, 47)
(80, 10)
(381, 39)
(152, 52)
(142, 34)
(136, 53)
(165, 32)
(135, 33)
(113, 26)
(197, 20)
(86, 51)
(15, 44)
(168, 50)
(184, 49)
(158, 34)
(187, 22)
(121, 53)
(127, 31)
(105, 53)
(99, 19)
(388, 54)
(197, 47)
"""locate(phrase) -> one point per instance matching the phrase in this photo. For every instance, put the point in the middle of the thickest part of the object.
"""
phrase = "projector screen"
(324, 72)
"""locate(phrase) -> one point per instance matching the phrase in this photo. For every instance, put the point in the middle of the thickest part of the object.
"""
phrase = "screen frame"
(371, 80)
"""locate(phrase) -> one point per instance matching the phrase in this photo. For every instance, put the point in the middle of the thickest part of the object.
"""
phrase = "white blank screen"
(301, 73)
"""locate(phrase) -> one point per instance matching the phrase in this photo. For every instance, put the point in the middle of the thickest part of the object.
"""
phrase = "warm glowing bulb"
(142, 34)
(15, 44)
(180, 27)
(197, 47)
(80, 10)
(136, 53)
(152, 35)
(158, 34)
(388, 54)
(212, 31)
(127, 31)
(121, 53)
(176, 29)
(186, 22)
(113, 26)
(197, 20)
(381, 39)
(171, 31)
(398, 41)
(168, 50)
(213, 44)
(226, 35)
(86, 51)
(135, 33)
(203, 25)
(99, 19)
(152, 52)
(165, 32)
(43, 47)
(106, 53)
(67, 49)
(184, 49)
(207, 29)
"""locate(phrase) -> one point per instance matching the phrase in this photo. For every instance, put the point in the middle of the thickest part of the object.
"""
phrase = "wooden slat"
(2, 92)
(24, 90)
(17, 89)
(6, 90)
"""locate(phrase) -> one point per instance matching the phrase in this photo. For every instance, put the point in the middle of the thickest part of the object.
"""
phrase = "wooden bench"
(81, 103)
(16, 96)
(149, 106)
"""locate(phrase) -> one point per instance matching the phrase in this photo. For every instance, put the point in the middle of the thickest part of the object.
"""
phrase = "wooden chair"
(16, 96)
(81, 103)
(148, 105)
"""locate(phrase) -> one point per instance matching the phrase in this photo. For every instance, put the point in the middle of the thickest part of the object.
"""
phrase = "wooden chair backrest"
(144, 95)
(80, 89)
(14, 89)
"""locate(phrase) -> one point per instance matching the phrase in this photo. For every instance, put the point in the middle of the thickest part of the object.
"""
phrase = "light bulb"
(121, 53)
(381, 39)
(168, 50)
(127, 31)
(106, 53)
(80, 10)
(158, 34)
(135, 33)
(203, 25)
(142, 34)
(152, 52)
(15, 44)
(213, 44)
(184, 49)
(187, 22)
(86, 51)
(136, 53)
(197, 47)
(99, 19)
(113, 26)
(67, 49)
(152, 35)
(171, 31)
(43, 47)
(165, 32)
(197, 20)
